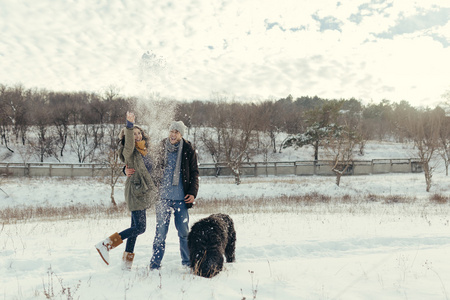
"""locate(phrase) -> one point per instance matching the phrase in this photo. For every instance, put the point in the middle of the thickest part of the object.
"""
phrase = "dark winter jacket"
(140, 189)
(189, 168)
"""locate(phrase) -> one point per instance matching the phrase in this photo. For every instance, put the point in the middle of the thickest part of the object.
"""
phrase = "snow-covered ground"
(378, 237)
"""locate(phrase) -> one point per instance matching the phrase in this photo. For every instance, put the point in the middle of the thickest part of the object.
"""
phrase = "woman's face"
(137, 135)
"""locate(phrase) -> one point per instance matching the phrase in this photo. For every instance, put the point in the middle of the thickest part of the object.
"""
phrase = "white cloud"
(245, 48)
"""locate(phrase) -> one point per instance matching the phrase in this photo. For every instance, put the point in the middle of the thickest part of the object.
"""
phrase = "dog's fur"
(208, 241)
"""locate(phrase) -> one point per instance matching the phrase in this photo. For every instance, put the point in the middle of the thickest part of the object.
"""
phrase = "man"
(177, 161)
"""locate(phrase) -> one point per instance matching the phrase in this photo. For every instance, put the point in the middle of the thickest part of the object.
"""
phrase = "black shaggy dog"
(209, 240)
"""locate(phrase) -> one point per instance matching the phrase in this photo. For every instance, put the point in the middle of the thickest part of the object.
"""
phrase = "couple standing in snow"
(168, 179)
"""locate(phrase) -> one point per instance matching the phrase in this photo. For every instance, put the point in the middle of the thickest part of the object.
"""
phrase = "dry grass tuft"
(371, 198)
(439, 199)
(396, 199)
(24, 213)
(347, 198)
(232, 205)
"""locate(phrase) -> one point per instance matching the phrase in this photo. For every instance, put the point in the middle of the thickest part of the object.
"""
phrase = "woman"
(140, 191)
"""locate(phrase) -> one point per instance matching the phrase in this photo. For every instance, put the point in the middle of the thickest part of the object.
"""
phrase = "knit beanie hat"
(178, 126)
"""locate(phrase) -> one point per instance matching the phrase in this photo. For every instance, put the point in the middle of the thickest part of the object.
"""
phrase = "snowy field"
(373, 237)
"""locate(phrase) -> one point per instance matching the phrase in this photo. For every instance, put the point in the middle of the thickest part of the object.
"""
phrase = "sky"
(245, 50)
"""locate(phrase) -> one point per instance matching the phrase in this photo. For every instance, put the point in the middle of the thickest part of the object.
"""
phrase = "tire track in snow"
(338, 248)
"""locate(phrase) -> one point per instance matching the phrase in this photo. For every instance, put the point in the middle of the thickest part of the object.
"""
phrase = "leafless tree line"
(230, 132)
(234, 132)
(51, 121)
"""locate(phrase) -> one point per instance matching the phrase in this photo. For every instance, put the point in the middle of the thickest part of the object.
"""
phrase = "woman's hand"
(129, 171)
(131, 117)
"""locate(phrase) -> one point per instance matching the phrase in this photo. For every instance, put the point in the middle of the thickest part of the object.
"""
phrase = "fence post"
(50, 170)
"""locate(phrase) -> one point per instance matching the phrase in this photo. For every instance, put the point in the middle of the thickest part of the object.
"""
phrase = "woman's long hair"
(145, 137)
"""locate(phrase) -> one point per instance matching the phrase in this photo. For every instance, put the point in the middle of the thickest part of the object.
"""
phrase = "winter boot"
(127, 260)
(109, 243)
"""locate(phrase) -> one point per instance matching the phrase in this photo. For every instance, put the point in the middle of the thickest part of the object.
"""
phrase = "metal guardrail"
(309, 168)
(53, 169)
(299, 168)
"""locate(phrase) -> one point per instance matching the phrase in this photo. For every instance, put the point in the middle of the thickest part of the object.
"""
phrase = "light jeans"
(164, 209)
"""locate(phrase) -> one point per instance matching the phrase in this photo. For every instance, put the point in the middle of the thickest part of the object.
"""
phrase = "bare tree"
(5, 125)
(117, 107)
(62, 104)
(424, 126)
(211, 136)
(8, 107)
(269, 122)
(25, 153)
(211, 139)
(110, 159)
(96, 114)
(229, 141)
(44, 143)
(81, 142)
(20, 110)
(265, 144)
(236, 137)
(444, 134)
(340, 146)
(115, 167)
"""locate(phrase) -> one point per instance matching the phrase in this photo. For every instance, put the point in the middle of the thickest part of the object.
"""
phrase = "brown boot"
(107, 244)
(127, 260)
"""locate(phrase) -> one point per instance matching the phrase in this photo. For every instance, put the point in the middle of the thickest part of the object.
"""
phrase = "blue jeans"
(163, 212)
(138, 225)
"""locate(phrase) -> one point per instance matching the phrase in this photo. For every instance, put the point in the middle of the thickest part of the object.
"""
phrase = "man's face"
(174, 136)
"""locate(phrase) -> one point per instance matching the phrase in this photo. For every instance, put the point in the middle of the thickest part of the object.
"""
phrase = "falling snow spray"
(154, 111)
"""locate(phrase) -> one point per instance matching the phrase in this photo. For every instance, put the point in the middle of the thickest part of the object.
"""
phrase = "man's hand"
(189, 198)
(129, 171)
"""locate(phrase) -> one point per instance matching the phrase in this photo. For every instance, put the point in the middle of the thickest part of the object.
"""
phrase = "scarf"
(172, 148)
(140, 146)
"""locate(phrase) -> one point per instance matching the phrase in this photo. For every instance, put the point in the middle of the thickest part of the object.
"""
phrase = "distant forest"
(50, 121)
(21, 107)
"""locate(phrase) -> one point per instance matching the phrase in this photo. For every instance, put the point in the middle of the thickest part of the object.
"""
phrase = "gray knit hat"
(178, 126)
